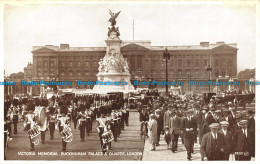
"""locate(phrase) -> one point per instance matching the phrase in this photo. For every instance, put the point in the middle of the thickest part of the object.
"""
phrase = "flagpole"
(133, 29)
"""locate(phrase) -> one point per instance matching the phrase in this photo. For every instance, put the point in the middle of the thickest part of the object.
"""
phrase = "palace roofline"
(143, 43)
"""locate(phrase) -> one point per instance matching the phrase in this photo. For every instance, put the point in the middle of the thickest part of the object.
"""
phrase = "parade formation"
(223, 127)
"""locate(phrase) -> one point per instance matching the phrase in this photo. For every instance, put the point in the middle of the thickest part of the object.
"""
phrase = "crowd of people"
(220, 129)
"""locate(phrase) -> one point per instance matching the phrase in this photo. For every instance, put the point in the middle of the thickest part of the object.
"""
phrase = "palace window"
(86, 63)
(188, 63)
(52, 64)
(205, 63)
(179, 62)
(39, 63)
(78, 63)
(63, 64)
(197, 62)
(71, 64)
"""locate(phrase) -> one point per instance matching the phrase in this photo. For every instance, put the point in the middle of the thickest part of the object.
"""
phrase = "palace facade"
(145, 62)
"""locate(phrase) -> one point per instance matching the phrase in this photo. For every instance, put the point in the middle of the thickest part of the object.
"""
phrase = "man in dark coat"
(167, 116)
(227, 117)
(212, 145)
(243, 141)
(251, 127)
(228, 139)
(188, 126)
(159, 119)
(175, 130)
(207, 119)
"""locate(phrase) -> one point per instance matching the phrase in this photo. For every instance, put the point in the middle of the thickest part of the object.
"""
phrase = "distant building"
(145, 62)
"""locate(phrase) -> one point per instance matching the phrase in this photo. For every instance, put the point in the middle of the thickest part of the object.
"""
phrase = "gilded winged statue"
(113, 17)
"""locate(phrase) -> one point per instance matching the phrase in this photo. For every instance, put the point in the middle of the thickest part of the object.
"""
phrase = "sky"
(86, 25)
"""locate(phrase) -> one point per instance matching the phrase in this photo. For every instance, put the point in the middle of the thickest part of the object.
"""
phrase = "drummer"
(30, 121)
(43, 118)
(102, 124)
(63, 121)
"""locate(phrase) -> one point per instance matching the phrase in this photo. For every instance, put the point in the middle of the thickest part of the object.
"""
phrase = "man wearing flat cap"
(228, 139)
(251, 127)
(188, 127)
(212, 145)
(227, 117)
(207, 119)
(175, 130)
(243, 141)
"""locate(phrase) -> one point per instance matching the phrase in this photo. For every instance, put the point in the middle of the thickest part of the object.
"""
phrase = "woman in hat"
(152, 131)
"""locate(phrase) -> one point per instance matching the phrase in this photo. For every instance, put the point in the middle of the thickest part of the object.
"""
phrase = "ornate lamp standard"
(209, 69)
(166, 57)
(189, 77)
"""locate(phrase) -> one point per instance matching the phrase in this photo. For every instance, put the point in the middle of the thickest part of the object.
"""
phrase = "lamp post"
(189, 77)
(209, 69)
(166, 57)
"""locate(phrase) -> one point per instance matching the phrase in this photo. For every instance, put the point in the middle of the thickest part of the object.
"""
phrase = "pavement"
(163, 154)
(128, 147)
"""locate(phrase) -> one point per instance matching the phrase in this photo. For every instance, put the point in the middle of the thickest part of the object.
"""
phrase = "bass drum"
(107, 136)
(42, 116)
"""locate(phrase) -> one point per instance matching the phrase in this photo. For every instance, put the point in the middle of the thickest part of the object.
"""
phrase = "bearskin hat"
(87, 105)
(81, 107)
(15, 102)
(63, 109)
(60, 103)
(37, 101)
(44, 102)
(51, 109)
(109, 109)
(113, 106)
(31, 107)
(7, 104)
(102, 110)
(24, 101)
(75, 100)
(68, 103)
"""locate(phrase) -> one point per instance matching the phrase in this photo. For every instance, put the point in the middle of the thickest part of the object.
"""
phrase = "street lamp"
(209, 69)
(166, 57)
(189, 77)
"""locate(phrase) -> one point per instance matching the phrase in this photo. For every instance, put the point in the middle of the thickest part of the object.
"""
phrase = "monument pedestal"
(113, 67)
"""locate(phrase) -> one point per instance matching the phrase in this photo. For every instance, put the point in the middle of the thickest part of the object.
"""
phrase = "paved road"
(128, 142)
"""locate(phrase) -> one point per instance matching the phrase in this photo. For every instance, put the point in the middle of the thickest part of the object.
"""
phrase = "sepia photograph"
(129, 81)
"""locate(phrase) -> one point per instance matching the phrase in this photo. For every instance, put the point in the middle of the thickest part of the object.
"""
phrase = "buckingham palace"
(188, 62)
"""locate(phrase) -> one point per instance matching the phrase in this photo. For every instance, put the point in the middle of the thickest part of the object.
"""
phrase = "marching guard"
(82, 121)
(15, 112)
(52, 121)
(102, 127)
(64, 125)
(30, 123)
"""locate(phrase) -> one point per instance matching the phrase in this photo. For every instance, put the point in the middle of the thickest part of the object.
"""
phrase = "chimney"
(220, 43)
(204, 44)
(64, 46)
